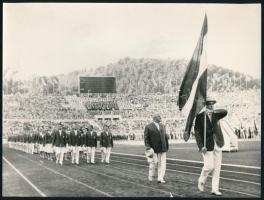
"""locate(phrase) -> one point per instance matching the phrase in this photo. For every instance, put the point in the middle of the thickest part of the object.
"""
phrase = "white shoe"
(161, 181)
(217, 193)
(200, 186)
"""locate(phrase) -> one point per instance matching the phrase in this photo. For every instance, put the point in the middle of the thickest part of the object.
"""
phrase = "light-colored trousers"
(90, 154)
(212, 163)
(59, 153)
(106, 151)
(75, 154)
(30, 148)
(160, 160)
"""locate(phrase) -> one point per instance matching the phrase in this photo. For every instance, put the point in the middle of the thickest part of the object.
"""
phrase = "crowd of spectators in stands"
(135, 111)
(101, 105)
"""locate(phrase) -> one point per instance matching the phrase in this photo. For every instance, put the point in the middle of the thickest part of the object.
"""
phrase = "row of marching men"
(64, 144)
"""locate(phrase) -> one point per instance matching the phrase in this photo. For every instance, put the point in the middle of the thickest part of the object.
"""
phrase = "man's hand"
(204, 150)
(186, 136)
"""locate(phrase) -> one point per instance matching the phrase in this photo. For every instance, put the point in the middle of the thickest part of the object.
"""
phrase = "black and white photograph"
(131, 100)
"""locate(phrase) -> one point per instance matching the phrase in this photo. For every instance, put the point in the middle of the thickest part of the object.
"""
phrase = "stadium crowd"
(135, 112)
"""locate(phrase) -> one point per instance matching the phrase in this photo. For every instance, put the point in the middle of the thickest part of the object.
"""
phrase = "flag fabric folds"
(193, 89)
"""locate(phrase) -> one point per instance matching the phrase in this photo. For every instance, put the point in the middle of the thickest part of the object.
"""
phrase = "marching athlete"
(211, 152)
(91, 143)
(75, 142)
(59, 142)
(106, 144)
(156, 139)
(41, 142)
(48, 143)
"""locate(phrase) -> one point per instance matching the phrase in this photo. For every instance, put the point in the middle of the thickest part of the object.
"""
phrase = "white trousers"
(160, 160)
(59, 153)
(31, 148)
(75, 154)
(106, 151)
(90, 154)
(212, 163)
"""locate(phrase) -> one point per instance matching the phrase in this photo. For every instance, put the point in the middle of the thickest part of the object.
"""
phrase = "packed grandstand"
(31, 111)
(144, 86)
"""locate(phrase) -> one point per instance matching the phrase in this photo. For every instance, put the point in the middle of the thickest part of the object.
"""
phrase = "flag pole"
(205, 129)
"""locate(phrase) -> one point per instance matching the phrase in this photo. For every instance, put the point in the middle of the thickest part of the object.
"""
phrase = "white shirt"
(157, 125)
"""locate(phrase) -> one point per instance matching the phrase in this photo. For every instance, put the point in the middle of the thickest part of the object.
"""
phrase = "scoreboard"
(97, 84)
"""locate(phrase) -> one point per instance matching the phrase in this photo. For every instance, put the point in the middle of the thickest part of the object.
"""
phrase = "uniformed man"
(68, 146)
(91, 143)
(41, 142)
(48, 143)
(211, 152)
(59, 142)
(155, 137)
(83, 139)
(106, 144)
(35, 138)
(75, 142)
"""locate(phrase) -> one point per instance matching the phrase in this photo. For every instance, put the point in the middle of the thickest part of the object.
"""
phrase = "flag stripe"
(193, 70)
(199, 101)
(192, 94)
(202, 68)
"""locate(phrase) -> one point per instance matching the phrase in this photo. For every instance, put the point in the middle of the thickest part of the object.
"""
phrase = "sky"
(55, 38)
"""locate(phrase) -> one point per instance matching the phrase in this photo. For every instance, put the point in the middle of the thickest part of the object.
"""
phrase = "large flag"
(192, 94)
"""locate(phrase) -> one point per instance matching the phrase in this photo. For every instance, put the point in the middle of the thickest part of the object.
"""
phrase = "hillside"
(143, 76)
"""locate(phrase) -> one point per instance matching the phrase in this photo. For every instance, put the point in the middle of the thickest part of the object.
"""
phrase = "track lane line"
(189, 182)
(138, 184)
(193, 161)
(173, 164)
(65, 176)
(25, 178)
(56, 172)
(224, 178)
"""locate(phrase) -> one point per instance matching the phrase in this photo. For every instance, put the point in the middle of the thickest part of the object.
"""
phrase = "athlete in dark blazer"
(59, 141)
(106, 139)
(106, 144)
(155, 137)
(211, 152)
(76, 143)
(213, 129)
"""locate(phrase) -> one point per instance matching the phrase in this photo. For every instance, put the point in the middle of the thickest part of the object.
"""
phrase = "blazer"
(59, 140)
(40, 139)
(68, 138)
(47, 138)
(213, 130)
(91, 139)
(30, 138)
(156, 139)
(106, 140)
(75, 140)
(35, 138)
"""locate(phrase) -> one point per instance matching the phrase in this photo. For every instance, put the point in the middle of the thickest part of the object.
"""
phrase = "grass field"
(26, 175)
